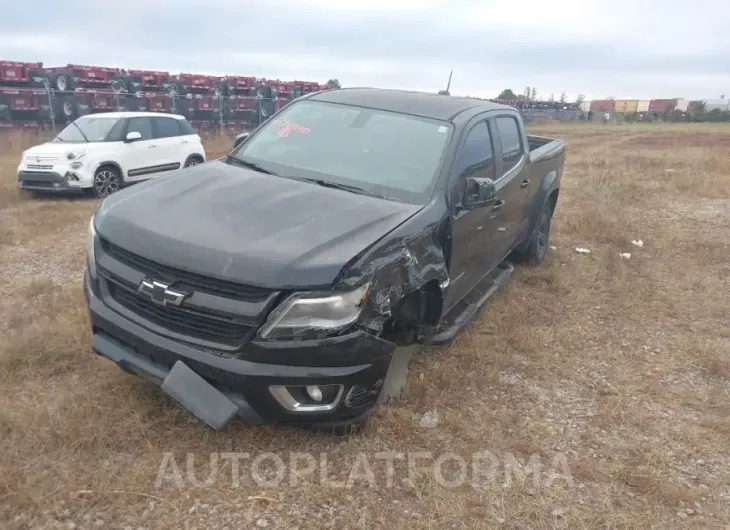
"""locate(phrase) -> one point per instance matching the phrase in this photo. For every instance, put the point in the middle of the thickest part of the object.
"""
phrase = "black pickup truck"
(275, 283)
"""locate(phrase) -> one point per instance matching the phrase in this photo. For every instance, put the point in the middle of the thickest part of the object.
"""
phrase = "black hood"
(237, 224)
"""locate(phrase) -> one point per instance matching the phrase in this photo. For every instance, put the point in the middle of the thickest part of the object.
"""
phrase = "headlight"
(90, 254)
(76, 165)
(305, 313)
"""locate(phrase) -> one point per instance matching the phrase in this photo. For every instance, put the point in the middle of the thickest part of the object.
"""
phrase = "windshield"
(387, 154)
(87, 128)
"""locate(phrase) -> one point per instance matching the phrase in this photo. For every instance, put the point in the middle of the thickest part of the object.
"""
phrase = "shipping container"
(659, 106)
(626, 106)
(602, 105)
(694, 106)
(682, 104)
(716, 104)
(643, 105)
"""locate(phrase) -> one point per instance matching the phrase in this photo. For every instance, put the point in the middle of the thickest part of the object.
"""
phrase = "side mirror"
(133, 136)
(240, 139)
(479, 192)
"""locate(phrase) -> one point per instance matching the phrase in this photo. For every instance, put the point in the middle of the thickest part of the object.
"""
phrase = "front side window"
(509, 134)
(141, 125)
(388, 154)
(87, 129)
(476, 157)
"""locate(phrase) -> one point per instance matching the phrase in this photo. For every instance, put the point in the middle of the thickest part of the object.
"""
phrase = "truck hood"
(237, 224)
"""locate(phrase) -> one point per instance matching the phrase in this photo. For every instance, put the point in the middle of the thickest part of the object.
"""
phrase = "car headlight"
(76, 165)
(90, 244)
(304, 314)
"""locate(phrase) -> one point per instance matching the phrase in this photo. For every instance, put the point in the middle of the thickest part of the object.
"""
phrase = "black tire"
(266, 109)
(193, 160)
(220, 88)
(177, 87)
(68, 109)
(533, 252)
(62, 82)
(107, 180)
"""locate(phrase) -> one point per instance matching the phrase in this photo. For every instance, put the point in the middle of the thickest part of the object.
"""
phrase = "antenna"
(448, 85)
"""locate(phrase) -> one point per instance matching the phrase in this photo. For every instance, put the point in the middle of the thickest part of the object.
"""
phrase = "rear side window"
(509, 134)
(476, 157)
(166, 127)
(185, 127)
(141, 125)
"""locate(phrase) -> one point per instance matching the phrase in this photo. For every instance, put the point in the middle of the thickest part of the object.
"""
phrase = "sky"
(624, 49)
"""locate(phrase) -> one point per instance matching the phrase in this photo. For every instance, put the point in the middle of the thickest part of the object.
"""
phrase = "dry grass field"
(615, 372)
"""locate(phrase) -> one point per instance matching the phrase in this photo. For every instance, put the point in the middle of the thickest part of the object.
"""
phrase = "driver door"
(476, 230)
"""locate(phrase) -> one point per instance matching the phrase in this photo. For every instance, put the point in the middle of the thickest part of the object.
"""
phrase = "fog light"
(314, 393)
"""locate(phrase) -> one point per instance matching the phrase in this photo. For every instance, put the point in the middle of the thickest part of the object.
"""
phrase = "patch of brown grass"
(618, 365)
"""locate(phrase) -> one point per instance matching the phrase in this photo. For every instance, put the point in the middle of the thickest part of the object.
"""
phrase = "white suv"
(100, 153)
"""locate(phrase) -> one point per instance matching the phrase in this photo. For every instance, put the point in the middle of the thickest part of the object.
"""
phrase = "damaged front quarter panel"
(410, 259)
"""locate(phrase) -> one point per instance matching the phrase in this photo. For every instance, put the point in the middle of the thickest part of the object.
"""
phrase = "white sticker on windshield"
(442, 129)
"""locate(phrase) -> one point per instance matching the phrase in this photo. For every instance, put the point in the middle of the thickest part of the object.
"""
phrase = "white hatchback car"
(100, 153)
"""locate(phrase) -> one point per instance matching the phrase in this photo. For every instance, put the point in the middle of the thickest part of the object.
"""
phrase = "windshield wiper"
(250, 165)
(337, 186)
(81, 131)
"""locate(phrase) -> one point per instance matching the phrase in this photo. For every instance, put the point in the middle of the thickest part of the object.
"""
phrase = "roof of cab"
(422, 104)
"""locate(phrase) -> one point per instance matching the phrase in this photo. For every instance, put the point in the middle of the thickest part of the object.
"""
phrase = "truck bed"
(542, 147)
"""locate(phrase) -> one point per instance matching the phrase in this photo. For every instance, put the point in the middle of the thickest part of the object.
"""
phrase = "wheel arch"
(194, 156)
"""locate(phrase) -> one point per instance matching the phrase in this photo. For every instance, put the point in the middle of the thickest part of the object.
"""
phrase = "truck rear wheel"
(535, 250)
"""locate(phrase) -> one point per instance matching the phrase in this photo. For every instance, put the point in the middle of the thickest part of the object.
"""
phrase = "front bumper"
(51, 180)
(365, 363)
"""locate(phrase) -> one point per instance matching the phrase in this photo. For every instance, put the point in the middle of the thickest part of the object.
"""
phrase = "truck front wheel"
(534, 252)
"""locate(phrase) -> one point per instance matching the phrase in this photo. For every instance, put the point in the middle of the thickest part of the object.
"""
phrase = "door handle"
(184, 142)
(525, 183)
(151, 146)
(497, 205)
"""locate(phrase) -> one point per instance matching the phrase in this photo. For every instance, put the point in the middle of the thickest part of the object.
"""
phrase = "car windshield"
(391, 155)
(87, 129)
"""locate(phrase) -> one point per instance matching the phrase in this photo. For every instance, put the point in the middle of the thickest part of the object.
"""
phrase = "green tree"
(334, 84)
(507, 94)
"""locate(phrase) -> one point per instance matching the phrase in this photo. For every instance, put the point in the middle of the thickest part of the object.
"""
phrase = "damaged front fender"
(408, 260)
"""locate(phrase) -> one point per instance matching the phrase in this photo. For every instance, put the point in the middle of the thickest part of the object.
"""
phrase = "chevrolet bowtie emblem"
(160, 293)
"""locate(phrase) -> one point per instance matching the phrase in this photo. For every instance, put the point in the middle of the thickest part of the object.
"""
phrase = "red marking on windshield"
(286, 128)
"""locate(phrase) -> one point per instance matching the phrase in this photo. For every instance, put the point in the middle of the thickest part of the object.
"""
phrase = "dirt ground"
(592, 392)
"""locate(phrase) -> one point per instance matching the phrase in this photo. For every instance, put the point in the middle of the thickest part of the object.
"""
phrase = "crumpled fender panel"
(402, 262)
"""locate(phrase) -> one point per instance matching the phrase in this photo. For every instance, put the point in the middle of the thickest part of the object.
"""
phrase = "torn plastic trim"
(398, 266)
